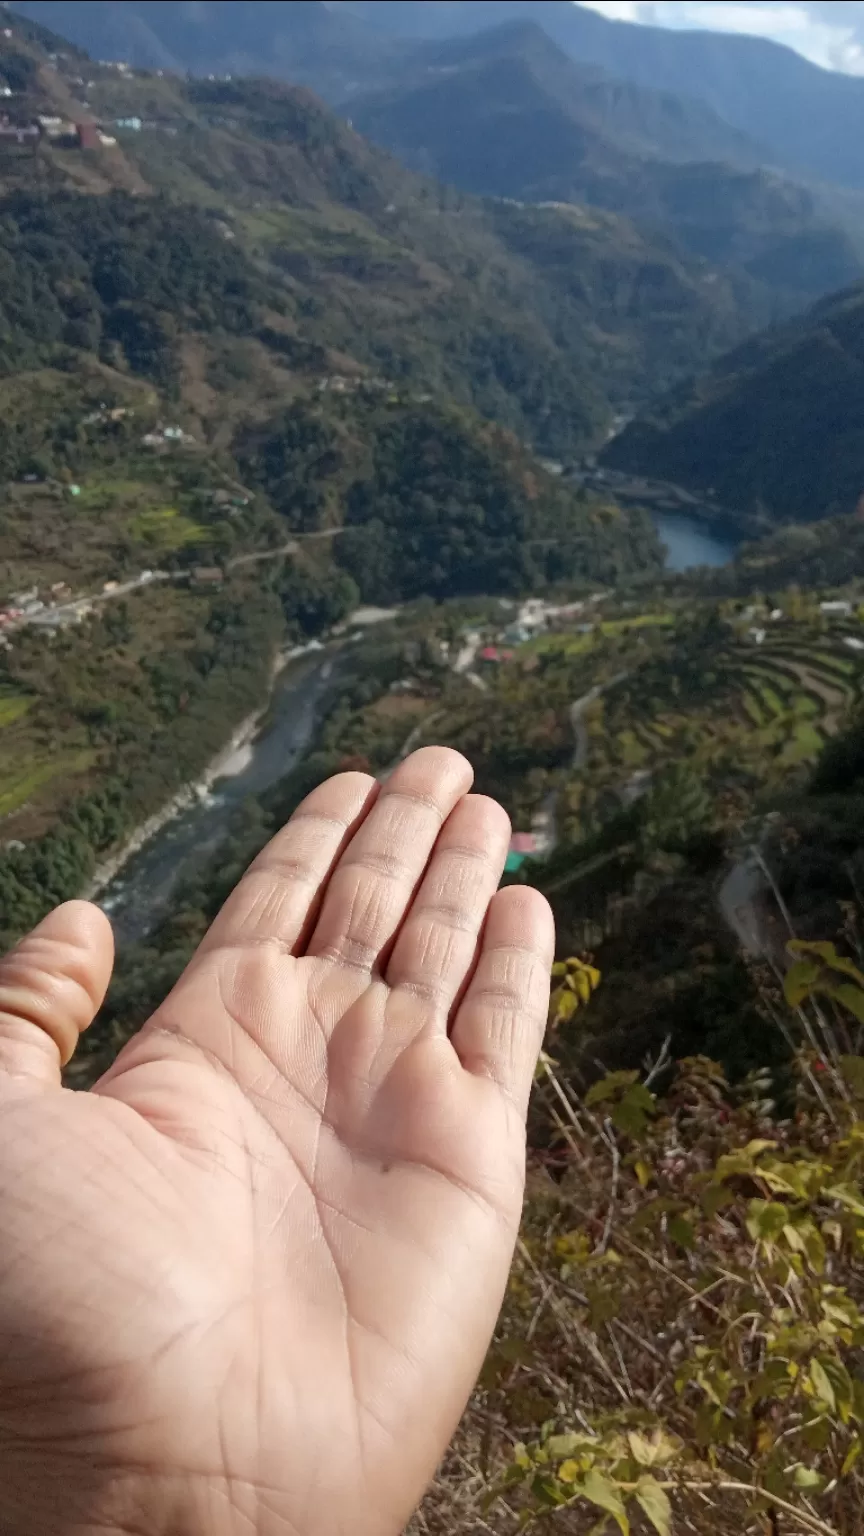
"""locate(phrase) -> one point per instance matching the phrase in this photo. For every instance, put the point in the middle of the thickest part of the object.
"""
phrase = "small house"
(490, 653)
(523, 845)
(208, 575)
(88, 135)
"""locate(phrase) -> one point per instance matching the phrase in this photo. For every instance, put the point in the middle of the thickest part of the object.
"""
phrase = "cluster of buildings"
(58, 131)
(31, 607)
(162, 435)
(535, 616)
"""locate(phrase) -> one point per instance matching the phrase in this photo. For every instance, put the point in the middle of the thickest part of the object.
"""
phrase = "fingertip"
(519, 913)
(441, 769)
(492, 813)
(79, 922)
(498, 1030)
(51, 985)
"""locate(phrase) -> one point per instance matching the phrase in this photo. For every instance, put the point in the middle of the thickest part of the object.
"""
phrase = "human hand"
(247, 1282)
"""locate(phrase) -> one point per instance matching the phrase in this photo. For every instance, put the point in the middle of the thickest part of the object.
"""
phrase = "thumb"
(51, 985)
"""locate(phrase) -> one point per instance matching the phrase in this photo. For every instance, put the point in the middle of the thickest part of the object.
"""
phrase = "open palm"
(246, 1283)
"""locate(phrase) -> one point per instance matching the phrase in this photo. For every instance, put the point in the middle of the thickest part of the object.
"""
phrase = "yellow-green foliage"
(165, 528)
(681, 1341)
(13, 707)
(19, 782)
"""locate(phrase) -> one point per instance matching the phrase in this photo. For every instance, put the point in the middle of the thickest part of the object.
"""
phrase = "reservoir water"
(691, 543)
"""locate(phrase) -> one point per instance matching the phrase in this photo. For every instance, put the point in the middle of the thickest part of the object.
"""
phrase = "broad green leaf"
(821, 1383)
(742, 1161)
(600, 1490)
(766, 1220)
(841, 1384)
(609, 1086)
(847, 1195)
(546, 1491)
(799, 981)
(851, 998)
(628, 1116)
(852, 1068)
(654, 1504)
(682, 1232)
(565, 1005)
(716, 1198)
(560, 1447)
(814, 1248)
(806, 1477)
(828, 955)
(641, 1449)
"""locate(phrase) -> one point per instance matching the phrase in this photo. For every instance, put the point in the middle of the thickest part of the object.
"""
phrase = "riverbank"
(138, 885)
(185, 798)
(230, 761)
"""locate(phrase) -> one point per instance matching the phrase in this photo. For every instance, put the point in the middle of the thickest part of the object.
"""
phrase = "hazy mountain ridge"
(811, 120)
(505, 113)
(544, 321)
(509, 113)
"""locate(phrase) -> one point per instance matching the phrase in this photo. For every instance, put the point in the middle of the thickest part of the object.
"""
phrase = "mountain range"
(527, 109)
(809, 120)
(546, 320)
(804, 120)
(506, 113)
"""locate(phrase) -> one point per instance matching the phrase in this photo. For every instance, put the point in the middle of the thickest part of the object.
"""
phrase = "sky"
(830, 33)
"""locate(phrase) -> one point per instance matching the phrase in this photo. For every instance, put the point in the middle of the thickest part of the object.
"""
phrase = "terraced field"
(763, 709)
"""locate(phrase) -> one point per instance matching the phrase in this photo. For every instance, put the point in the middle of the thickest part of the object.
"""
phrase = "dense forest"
(117, 276)
(774, 427)
(544, 320)
(431, 500)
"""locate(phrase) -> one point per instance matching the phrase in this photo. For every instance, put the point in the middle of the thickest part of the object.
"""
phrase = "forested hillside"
(432, 500)
(775, 426)
(364, 260)
(506, 113)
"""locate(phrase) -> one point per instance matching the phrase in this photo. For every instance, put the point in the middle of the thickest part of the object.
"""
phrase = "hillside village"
(23, 125)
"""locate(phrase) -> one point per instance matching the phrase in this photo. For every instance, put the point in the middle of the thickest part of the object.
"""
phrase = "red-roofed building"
(523, 842)
(490, 653)
(88, 136)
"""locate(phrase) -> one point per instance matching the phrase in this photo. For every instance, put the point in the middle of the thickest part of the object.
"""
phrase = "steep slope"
(299, 40)
(509, 113)
(811, 120)
(433, 501)
(543, 320)
(777, 426)
(634, 118)
(506, 113)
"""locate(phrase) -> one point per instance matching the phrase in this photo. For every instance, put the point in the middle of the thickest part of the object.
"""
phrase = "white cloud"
(830, 34)
(617, 10)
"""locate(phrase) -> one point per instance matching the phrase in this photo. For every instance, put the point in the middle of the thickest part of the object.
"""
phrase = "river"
(139, 897)
(690, 543)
